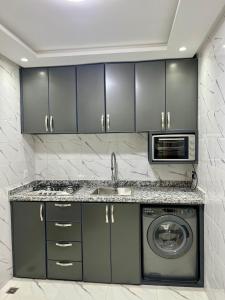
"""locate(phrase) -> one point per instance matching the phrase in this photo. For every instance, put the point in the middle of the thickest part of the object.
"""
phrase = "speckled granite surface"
(142, 192)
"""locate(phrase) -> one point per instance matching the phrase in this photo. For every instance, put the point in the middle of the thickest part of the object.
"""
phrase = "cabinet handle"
(102, 122)
(64, 245)
(46, 123)
(106, 214)
(108, 121)
(63, 205)
(112, 214)
(168, 120)
(63, 225)
(51, 124)
(163, 120)
(70, 264)
(41, 213)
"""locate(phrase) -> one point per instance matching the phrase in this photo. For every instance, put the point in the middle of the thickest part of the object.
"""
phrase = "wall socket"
(25, 174)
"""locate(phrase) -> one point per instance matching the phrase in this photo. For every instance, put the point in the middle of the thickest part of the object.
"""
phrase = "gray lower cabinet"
(62, 100)
(96, 243)
(34, 104)
(182, 94)
(28, 235)
(150, 95)
(111, 243)
(64, 241)
(91, 98)
(125, 243)
(119, 85)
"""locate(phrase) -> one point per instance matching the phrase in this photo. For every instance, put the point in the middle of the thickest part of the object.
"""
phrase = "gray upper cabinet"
(34, 90)
(150, 95)
(91, 98)
(181, 94)
(119, 80)
(125, 243)
(113, 97)
(62, 99)
(28, 235)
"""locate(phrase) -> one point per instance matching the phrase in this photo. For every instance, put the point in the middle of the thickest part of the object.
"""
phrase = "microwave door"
(170, 148)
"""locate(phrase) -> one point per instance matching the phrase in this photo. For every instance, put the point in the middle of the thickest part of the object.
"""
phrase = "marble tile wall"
(211, 168)
(88, 157)
(16, 157)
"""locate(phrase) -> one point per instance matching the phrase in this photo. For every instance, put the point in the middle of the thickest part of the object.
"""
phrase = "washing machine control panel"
(181, 212)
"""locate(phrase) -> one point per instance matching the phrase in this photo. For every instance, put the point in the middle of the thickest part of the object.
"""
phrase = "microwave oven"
(172, 148)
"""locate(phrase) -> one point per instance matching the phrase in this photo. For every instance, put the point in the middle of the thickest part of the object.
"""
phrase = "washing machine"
(170, 246)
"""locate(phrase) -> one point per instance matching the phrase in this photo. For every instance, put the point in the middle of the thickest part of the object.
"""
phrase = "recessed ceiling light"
(75, 0)
(224, 46)
(183, 48)
(24, 59)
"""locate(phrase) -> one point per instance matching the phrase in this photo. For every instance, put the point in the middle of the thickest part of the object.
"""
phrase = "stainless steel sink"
(110, 191)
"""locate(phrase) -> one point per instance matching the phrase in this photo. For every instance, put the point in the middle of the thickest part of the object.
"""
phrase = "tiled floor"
(60, 290)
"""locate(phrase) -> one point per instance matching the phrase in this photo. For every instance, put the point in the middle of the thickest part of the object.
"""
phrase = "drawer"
(64, 270)
(64, 251)
(63, 231)
(63, 211)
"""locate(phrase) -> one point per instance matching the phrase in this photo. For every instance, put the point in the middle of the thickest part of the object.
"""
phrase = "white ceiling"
(61, 32)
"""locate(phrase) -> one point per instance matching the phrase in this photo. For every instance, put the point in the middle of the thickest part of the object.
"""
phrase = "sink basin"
(110, 191)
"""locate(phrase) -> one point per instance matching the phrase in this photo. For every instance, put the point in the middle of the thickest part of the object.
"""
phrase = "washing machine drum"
(170, 236)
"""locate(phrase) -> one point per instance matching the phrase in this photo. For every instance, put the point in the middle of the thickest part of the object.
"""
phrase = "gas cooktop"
(54, 190)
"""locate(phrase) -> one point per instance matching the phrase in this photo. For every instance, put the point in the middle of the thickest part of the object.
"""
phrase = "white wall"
(211, 169)
(16, 156)
(88, 157)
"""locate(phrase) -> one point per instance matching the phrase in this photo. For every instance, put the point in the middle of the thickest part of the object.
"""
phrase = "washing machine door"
(169, 236)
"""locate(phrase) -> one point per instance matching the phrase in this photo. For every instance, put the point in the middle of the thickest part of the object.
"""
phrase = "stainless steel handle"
(107, 214)
(102, 123)
(63, 205)
(168, 120)
(171, 139)
(41, 213)
(63, 225)
(163, 120)
(108, 121)
(64, 245)
(64, 264)
(51, 123)
(112, 214)
(46, 123)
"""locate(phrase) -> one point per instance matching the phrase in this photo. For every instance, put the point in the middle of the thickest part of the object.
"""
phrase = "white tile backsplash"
(211, 168)
(16, 157)
(87, 156)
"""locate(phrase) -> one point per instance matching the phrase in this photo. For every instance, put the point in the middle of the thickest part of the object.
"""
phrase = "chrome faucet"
(114, 169)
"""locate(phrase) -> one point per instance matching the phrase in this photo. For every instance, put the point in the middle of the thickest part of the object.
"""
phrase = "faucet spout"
(114, 169)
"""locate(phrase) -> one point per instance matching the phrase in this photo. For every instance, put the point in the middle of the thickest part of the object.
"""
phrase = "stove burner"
(54, 190)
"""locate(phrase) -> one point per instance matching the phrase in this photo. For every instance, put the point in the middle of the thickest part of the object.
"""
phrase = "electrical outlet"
(25, 174)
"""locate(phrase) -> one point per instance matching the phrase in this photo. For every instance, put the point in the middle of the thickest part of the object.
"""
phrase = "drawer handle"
(63, 225)
(64, 264)
(64, 245)
(63, 205)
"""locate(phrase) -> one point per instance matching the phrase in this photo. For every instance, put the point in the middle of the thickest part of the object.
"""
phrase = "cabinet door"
(34, 93)
(125, 243)
(150, 95)
(62, 99)
(181, 94)
(119, 97)
(28, 240)
(96, 243)
(91, 98)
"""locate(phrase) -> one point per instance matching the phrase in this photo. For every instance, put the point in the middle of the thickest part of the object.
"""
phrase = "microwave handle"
(169, 139)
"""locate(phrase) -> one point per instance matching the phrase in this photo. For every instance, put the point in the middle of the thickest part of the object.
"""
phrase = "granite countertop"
(142, 192)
